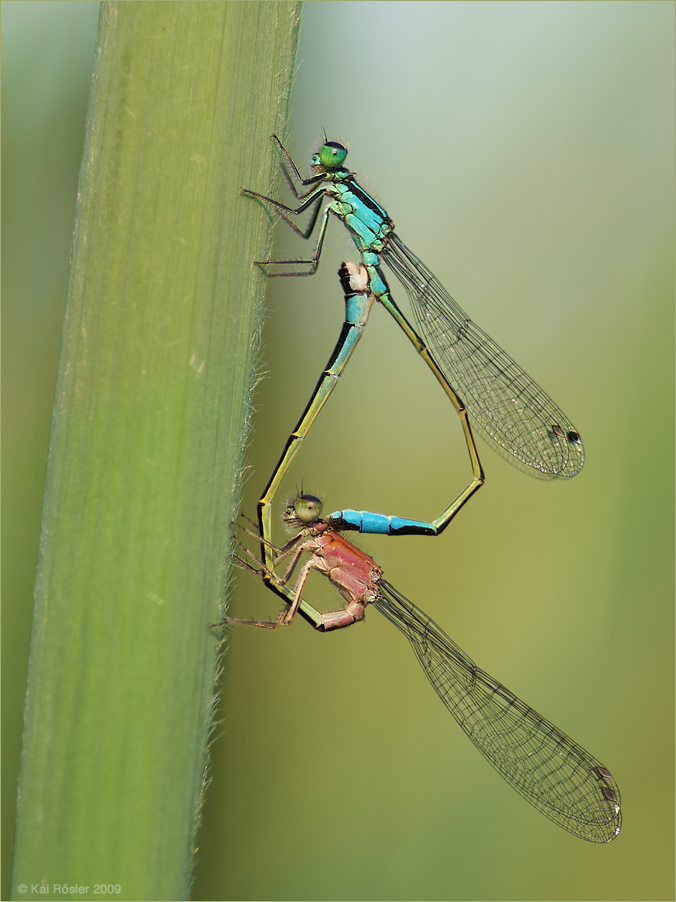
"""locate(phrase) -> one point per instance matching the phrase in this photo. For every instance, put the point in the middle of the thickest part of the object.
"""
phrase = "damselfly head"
(330, 155)
(302, 510)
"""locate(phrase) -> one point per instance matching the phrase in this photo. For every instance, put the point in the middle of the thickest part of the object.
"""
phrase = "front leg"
(299, 178)
(322, 621)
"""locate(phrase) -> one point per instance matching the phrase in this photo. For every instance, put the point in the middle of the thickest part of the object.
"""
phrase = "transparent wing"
(549, 769)
(517, 417)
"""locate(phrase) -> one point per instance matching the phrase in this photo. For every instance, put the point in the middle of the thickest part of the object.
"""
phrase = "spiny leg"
(313, 262)
(293, 598)
(315, 197)
(299, 178)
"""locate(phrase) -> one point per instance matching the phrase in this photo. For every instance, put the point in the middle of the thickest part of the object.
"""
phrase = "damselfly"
(548, 768)
(516, 415)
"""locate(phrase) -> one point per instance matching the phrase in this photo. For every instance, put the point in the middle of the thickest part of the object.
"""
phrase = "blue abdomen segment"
(379, 524)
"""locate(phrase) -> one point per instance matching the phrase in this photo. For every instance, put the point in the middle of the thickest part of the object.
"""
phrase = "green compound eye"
(331, 155)
(308, 508)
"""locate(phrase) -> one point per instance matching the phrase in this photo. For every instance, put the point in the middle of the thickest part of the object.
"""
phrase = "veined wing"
(519, 419)
(551, 771)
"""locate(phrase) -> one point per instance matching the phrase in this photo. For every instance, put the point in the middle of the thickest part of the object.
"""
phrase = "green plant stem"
(155, 376)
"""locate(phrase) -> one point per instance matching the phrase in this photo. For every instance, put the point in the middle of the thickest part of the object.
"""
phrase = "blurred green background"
(525, 151)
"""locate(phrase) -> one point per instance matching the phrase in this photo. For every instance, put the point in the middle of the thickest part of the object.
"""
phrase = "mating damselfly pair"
(484, 385)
